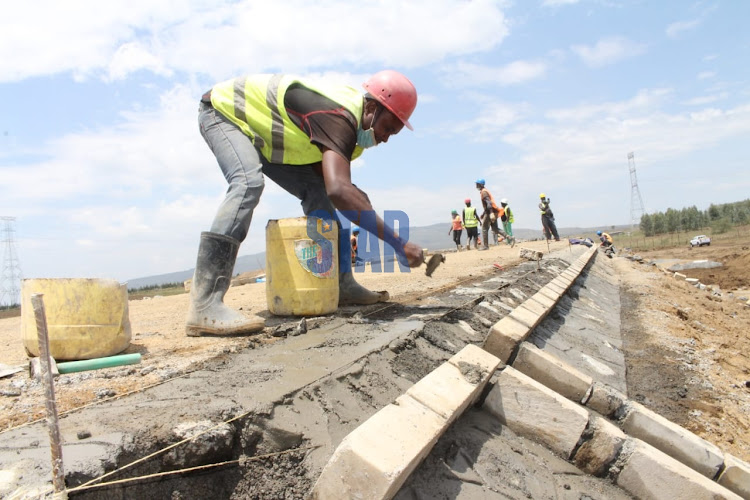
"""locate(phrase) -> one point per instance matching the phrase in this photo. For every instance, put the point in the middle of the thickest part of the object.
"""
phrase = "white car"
(699, 241)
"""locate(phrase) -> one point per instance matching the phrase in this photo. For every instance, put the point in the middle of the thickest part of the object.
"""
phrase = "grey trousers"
(244, 168)
(486, 225)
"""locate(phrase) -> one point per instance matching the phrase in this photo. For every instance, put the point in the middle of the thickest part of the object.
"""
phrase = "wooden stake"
(58, 473)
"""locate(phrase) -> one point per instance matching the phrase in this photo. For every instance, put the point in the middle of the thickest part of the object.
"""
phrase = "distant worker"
(354, 240)
(607, 244)
(457, 228)
(507, 218)
(471, 223)
(489, 216)
(303, 135)
(548, 218)
(605, 238)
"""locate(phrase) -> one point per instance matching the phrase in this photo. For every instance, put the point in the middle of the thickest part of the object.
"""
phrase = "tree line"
(720, 218)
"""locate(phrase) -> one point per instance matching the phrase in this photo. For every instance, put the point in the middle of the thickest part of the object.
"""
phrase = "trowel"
(433, 263)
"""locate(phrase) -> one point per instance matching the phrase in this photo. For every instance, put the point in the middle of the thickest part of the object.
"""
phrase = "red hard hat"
(467, 200)
(394, 91)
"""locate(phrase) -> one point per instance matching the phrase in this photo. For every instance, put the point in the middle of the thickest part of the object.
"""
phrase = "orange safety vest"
(492, 201)
(457, 223)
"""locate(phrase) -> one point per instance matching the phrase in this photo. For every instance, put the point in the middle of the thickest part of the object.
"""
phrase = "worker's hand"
(413, 254)
(363, 193)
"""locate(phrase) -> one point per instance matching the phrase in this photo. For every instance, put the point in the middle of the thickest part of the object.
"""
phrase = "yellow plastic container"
(302, 275)
(86, 318)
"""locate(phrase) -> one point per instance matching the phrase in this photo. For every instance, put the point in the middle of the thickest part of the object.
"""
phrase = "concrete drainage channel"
(364, 397)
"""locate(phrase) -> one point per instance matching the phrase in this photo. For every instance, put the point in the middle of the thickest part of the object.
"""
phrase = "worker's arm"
(348, 198)
(486, 203)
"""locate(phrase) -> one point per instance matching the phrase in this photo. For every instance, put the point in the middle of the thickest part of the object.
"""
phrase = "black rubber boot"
(213, 274)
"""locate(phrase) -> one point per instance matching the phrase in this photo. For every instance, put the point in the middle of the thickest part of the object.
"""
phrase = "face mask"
(366, 138)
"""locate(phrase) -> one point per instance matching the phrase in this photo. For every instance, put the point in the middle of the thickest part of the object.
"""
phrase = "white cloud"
(116, 39)
(676, 29)
(708, 99)
(493, 119)
(644, 100)
(555, 3)
(608, 51)
(573, 156)
(465, 74)
(705, 75)
(146, 151)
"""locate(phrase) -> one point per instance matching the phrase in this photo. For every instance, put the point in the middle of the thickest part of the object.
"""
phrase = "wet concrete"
(584, 329)
(312, 390)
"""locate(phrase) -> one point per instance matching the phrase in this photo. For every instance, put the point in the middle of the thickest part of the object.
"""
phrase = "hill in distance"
(434, 237)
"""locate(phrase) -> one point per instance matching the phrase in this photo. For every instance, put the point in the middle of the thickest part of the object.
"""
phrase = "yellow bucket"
(302, 274)
(86, 318)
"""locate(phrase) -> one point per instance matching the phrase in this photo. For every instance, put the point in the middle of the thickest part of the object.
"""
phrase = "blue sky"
(104, 169)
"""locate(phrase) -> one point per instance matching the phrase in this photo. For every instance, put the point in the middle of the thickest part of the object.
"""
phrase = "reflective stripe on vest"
(256, 105)
(470, 217)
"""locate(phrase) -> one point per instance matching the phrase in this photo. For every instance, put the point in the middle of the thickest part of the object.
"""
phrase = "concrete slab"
(556, 422)
(601, 446)
(553, 373)
(455, 384)
(504, 336)
(605, 399)
(736, 476)
(375, 459)
(585, 334)
(693, 451)
(648, 473)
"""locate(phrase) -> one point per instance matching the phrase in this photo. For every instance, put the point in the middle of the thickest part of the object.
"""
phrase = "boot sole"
(382, 297)
(199, 331)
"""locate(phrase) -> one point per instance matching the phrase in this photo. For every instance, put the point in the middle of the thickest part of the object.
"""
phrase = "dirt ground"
(686, 349)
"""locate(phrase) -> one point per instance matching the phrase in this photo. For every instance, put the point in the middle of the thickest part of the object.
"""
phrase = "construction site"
(542, 371)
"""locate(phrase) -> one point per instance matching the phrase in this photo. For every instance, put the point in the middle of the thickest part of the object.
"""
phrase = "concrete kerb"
(594, 444)
(375, 459)
(553, 373)
(646, 472)
(672, 439)
(504, 336)
(556, 288)
(736, 476)
(689, 457)
(557, 422)
(600, 442)
(507, 334)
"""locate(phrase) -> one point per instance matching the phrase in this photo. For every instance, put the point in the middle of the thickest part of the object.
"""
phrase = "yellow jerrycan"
(302, 266)
(86, 318)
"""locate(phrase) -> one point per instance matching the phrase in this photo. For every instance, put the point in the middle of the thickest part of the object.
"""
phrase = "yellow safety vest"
(470, 217)
(256, 105)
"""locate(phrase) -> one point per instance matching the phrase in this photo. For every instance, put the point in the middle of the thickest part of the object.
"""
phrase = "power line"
(636, 202)
(10, 281)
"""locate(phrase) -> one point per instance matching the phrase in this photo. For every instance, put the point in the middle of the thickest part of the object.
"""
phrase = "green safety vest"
(509, 214)
(470, 217)
(544, 208)
(256, 105)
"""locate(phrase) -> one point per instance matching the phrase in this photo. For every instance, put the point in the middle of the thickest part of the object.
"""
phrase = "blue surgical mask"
(366, 138)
